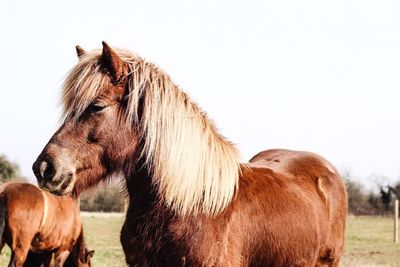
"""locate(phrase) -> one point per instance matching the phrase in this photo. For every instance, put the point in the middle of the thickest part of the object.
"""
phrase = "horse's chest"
(146, 246)
(174, 244)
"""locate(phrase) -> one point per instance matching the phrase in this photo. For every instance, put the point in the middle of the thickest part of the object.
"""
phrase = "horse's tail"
(3, 209)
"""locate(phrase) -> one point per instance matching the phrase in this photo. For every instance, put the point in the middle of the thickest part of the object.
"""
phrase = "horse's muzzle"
(54, 177)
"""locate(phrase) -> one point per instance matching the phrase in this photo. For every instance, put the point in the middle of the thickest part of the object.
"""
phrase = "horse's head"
(84, 260)
(94, 140)
(119, 108)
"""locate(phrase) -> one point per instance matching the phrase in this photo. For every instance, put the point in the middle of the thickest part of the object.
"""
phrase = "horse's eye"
(96, 107)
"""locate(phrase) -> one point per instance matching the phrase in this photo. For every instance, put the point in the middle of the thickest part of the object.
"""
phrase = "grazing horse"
(36, 222)
(191, 201)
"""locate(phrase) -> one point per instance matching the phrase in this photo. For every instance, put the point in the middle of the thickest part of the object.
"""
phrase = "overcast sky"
(322, 76)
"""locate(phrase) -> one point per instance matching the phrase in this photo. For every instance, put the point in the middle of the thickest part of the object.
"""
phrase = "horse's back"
(19, 193)
(18, 197)
(311, 171)
(293, 163)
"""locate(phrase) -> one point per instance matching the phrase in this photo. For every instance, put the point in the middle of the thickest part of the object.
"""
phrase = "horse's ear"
(89, 255)
(80, 51)
(112, 62)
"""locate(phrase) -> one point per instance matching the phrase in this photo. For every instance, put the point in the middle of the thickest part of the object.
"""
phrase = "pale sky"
(322, 76)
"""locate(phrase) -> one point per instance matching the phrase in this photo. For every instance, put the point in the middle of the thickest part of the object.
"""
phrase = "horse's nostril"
(36, 171)
(47, 170)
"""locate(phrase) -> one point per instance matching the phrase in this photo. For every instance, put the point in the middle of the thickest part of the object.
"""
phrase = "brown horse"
(192, 203)
(35, 221)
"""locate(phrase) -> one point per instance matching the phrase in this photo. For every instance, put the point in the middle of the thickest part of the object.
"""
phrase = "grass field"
(369, 241)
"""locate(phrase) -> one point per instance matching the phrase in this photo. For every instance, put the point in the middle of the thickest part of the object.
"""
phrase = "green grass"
(369, 241)
(102, 235)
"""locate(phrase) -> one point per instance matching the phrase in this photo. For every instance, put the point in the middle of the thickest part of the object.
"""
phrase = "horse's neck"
(147, 217)
(143, 196)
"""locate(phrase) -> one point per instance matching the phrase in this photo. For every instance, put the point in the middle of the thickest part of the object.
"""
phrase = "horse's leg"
(47, 259)
(60, 257)
(336, 261)
(20, 247)
(34, 259)
(18, 256)
(12, 261)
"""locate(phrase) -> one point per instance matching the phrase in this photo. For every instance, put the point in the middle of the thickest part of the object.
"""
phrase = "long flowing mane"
(195, 169)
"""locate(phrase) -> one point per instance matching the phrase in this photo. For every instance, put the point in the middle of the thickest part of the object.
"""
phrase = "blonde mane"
(195, 169)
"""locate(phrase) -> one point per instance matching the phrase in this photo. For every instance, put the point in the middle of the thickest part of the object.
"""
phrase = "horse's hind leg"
(328, 259)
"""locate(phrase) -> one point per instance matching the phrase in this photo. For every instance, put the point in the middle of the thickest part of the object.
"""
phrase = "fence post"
(396, 221)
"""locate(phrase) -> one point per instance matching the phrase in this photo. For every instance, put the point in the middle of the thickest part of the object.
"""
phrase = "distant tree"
(397, 187)
(361, 202)
(109, 199)
(395, 191)
(8, 170)
(374, 201)
(386, 197)
(355, 194)
(386, 193)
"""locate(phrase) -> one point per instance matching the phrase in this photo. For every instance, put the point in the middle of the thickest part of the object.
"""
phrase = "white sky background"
(307, 75)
